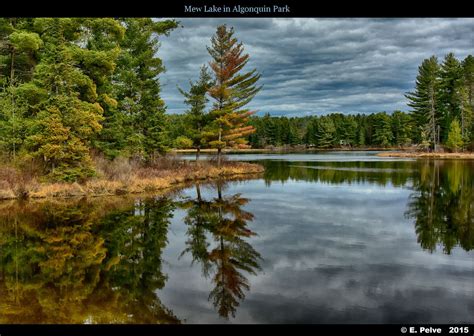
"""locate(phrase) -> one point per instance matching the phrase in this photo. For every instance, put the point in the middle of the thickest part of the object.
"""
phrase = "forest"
(74, 90)
(78, 90)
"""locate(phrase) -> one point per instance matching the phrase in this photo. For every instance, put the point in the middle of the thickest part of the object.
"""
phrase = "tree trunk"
(198, 192)
(12, 79)
(219, 150)
(219, 190)
(433, 117)
(198, 152)
(462, 126)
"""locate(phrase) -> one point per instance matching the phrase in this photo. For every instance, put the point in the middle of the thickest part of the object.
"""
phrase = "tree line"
(442, 106)
(328, 131)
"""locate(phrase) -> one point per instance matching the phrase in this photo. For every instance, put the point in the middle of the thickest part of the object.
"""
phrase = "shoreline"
(168, 180)
(423, 155)
(281, 150)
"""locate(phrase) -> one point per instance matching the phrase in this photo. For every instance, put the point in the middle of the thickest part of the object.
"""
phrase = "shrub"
(119, 169)
(183, 142)
(454, 141)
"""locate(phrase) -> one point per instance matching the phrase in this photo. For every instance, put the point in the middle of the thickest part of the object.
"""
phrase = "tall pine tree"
(196, 117)
(424, 101)
(468, 72)
(233, 89)
(452, 95)
(19, 47)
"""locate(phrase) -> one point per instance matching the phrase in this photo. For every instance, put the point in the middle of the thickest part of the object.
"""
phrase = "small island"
(428, 155)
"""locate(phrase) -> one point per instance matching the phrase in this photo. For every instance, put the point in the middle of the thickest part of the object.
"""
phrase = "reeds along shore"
(120, 177)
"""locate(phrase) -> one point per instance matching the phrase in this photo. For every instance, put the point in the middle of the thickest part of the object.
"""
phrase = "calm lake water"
(320, 238)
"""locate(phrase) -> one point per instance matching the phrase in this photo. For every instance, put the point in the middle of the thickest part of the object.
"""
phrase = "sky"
(316, 66)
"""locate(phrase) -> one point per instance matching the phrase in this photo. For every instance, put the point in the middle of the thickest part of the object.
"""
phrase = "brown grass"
(463, 156)
(123, 176)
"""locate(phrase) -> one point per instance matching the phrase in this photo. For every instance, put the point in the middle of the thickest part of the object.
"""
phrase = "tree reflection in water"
(72, 263)
(442, 205)
(228, 260)
(442, 202)
(101, 261)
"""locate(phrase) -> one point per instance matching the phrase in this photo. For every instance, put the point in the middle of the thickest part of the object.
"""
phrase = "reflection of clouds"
(319, 66)
(376, 289)
(340, 255)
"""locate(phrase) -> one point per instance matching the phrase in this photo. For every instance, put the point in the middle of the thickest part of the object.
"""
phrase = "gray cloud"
(319, 66)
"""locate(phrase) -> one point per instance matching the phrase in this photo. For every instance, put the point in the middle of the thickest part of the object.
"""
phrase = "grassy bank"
(425, 155)
(121, 178)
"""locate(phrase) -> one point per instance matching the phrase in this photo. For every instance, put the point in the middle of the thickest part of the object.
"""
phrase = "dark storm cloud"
(319, 66)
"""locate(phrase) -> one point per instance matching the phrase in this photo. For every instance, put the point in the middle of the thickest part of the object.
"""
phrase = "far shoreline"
(427, 155)
(390, 152)
(284, 150)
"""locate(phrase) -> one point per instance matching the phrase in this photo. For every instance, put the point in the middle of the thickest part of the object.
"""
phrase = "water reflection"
(442, 206)
(83, 262)
(231, 256)
(359, 231)
(101, 261)
(397, 173)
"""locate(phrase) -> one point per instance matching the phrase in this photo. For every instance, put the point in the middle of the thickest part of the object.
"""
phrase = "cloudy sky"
(319, 66)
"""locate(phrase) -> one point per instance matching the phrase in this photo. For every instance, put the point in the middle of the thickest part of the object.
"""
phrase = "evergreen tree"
(455, 140)
(452, 95)
(19, 46)
(231, 92)
(309, 135)
(383, 135)
(104, 36)
(424, 100)
(401, 128)
(468, 72)
(271, 131)
(258, 138)
(468, 99)
(361, 138)
(196, 117)
(349, 131)
(18, 56)
(326, 133)
(293, 136)
(137, 124)
(72, 108)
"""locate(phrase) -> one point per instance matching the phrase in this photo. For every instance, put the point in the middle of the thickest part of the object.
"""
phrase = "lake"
(338, 237)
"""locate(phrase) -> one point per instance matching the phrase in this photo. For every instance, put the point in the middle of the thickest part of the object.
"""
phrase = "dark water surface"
(321, 238)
